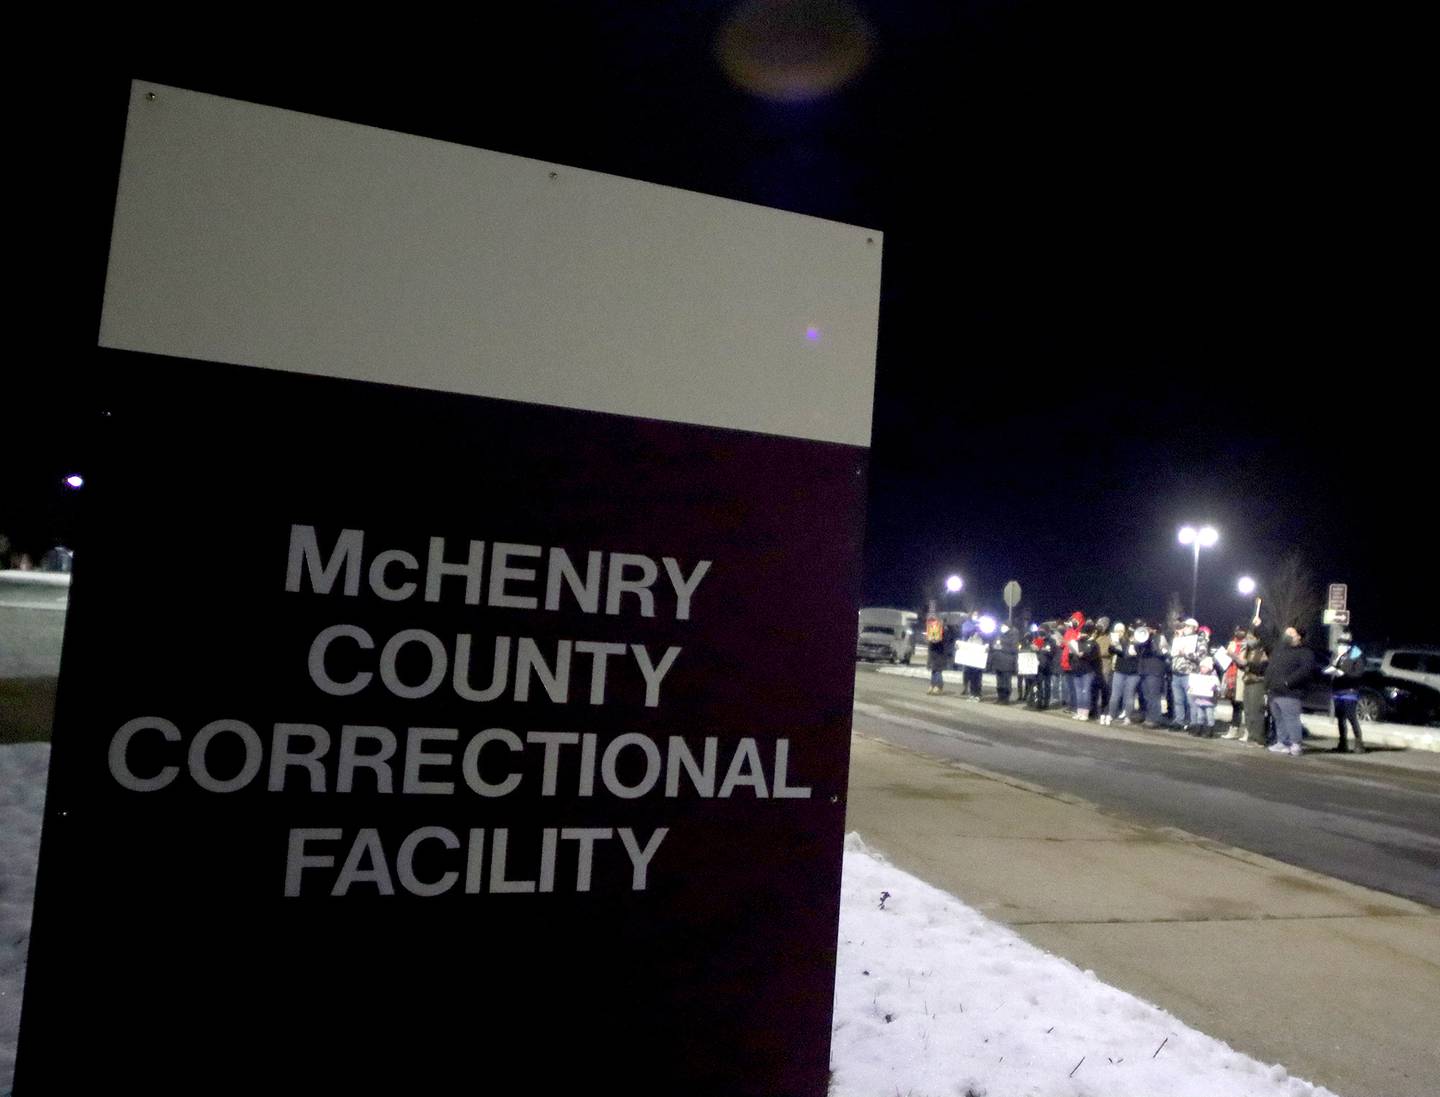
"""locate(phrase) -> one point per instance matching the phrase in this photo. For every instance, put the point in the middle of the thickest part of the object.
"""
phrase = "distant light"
(1208, 536)
(1034, 628)
(987, 625)
(75, 481)
(812, 333)
(954, 583)
(1187, 535)
(1247, 585)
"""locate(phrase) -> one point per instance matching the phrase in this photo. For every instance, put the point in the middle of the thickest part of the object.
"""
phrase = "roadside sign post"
(469, 754)
(1337, 615)
(1012, 596)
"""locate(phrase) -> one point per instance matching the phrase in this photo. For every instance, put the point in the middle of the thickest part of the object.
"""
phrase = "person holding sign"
(1204, 684)
(1347, 664)
(937, 642)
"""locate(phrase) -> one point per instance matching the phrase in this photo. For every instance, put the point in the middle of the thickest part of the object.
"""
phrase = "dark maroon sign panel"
(415, 743)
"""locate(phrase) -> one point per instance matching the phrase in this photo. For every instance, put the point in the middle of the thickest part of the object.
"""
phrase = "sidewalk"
(1339, 983)
(1401, 736)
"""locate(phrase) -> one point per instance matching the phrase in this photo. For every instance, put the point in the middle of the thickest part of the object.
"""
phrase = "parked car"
(1405, 689)
(887, 635)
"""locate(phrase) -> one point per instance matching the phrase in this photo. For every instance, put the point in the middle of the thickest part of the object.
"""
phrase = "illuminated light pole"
(1246, 585)
(1203, 537)
(954, 583)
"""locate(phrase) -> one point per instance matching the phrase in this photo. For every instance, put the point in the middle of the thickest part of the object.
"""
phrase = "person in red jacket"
(1068, 644)
(1232, 685)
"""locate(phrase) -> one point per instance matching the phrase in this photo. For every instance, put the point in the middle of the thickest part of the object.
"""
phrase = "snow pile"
(933, 999)
(22, 801)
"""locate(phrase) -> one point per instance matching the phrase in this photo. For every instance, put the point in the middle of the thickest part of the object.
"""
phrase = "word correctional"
(226, 756)
(367, 864)
(507, 576)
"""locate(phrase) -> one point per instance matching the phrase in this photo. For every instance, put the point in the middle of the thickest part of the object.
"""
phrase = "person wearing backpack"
(937, 642)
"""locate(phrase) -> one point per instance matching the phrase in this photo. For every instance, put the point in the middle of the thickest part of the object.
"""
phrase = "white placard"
(1028, 664)
(971, 653)
(1203, 685)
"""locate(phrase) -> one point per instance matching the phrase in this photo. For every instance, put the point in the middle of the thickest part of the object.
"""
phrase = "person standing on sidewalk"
(1347, 664)
(1232, 684)
(937, 637)
(1070, 697)
(974, 677)
(1150, 652)
(1253, 662)
(1084, 666)
(1291, 670)
(1204, 685)
(1004, 656)
(1044, 648)
(1100, 699)
(1125, 679)
(1185, 653)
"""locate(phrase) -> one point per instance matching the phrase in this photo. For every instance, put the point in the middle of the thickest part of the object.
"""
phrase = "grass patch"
(27, 709)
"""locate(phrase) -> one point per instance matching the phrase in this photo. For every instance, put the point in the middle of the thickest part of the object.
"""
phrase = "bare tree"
(1174, 612)
(1292, 595)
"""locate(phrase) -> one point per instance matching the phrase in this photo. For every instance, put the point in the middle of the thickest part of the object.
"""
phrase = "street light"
(1246, 585)
(1203, 537)
(954, 583)
(76, 481)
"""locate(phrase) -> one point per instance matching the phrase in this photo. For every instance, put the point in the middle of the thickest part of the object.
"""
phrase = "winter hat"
(1190, 622)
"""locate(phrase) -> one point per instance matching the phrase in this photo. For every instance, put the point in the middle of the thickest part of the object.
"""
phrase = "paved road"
(32, 622)
(1372, 820)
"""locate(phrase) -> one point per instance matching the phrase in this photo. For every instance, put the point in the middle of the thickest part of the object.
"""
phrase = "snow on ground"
(934, 1000)
(931, 998)
(22, 801)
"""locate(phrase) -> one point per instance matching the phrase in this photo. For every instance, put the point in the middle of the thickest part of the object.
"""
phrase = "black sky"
(1136, 274)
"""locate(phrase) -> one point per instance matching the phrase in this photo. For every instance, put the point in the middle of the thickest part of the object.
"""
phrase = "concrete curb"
(36, 578)
(1402, 736)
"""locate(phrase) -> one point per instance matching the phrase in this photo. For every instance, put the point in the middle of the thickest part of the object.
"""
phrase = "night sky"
(1135, 275)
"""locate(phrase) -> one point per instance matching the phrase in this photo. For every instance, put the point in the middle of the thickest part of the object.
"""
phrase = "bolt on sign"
(470, 752)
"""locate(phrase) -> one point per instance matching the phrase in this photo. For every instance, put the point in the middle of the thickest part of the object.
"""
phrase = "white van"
(887, 635)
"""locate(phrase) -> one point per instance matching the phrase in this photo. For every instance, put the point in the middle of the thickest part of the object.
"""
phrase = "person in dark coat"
(1125, 681)
(1084, 665)
(939, 641)
(1151, 658)
(1044, 645)
(1004, 659)
(1347, 664)
(1290, 673)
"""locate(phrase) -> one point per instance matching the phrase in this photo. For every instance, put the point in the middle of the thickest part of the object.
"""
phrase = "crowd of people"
(1146, 675)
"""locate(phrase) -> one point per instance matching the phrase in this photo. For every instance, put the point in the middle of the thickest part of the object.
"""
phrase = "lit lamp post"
(954, 583)
(1203, 537)
(1246, 586)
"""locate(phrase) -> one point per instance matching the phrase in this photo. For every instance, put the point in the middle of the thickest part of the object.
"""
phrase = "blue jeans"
(1204, 715)
(1083, 683)
(1122, 694)
(1286, 711)
(1152, 690)
(1180, 699)
(937, 679)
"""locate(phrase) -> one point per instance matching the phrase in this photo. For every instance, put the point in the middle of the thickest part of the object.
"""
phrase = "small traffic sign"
(1012, 594)
(1338, 592)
